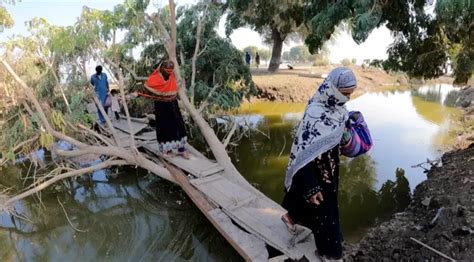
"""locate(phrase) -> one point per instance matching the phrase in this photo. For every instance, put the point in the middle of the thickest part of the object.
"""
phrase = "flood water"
(137, 217)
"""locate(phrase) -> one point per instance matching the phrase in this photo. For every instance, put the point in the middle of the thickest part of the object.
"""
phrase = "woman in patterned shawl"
(170, 129)
(311, 181)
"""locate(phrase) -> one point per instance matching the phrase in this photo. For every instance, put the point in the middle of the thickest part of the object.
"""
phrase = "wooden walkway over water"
(246, 218)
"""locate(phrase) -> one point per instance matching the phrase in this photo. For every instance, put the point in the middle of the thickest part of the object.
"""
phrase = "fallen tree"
(87, 142)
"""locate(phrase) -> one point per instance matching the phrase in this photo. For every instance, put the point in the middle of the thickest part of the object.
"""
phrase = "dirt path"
(449, 192)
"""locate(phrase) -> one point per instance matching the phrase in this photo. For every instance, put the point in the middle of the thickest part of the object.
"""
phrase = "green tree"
(299, 53)
(6, 21)
(346, 62)
(264, 54)
(251, 50)
(221, 68)
(424, 43)
(286, 55)
(274, 19)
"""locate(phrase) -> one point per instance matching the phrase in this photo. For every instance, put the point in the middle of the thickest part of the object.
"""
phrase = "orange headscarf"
(159, 84)
(167, 89)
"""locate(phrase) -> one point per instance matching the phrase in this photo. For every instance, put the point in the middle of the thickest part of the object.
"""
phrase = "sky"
(66, 12)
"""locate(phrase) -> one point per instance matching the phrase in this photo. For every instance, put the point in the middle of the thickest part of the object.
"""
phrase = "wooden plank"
(248, 246)
(147, 136)
(253, 246)
(196, 166)
(224, 192)
(194, 151)
(252, 212)
(123, 125)
(211, 170)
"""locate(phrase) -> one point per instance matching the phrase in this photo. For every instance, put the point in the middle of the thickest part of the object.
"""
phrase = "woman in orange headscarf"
(170, 130)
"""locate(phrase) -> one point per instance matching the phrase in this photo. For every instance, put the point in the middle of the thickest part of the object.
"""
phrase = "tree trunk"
(276, 50)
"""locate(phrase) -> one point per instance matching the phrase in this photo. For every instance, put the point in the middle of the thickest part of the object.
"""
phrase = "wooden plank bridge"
(246, 218)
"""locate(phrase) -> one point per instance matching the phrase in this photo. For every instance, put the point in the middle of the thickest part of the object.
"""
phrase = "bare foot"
(185, 154)
(289, 223)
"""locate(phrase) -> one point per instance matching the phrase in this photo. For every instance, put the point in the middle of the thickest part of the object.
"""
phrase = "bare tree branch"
(195, 56)
(205, 103)
(19, 146)
(107, 120)
(67, 217)
(29, 94)
(161, 28)
(105, 140)
(55, 179)
(231, 133)
(124, 100)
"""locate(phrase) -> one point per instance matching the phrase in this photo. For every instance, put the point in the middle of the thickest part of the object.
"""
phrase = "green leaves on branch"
(6, 21)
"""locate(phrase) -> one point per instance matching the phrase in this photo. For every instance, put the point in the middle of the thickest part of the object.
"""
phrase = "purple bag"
(108, 101)
(360, 140)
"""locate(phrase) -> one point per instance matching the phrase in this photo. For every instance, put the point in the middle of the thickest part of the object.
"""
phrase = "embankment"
(296, 86)
(441, 215)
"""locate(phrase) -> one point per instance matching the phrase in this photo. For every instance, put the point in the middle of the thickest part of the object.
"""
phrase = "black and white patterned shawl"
(323, 121)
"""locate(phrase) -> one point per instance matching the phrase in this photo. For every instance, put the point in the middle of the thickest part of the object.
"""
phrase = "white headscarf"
(323, 122)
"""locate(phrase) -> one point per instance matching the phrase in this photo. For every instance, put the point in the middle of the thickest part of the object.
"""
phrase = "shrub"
(321, 61)
(346, 62)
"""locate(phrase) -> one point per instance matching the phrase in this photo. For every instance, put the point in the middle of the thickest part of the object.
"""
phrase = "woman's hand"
(317, 198)
(134, 94)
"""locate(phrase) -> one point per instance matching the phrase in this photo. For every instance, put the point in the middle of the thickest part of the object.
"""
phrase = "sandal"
(289, 223)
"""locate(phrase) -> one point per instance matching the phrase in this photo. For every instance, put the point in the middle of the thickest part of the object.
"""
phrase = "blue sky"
(65, 12)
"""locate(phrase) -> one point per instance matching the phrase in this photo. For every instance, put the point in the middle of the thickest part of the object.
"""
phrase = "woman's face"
(347, 91)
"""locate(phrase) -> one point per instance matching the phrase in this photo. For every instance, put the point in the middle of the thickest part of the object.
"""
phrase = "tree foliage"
(220, 63)
(53, 56)
(262, 15)
(275, 20)
(6, 21)
(264, 54)
(299, 53)
(424, 43)
(251, 49)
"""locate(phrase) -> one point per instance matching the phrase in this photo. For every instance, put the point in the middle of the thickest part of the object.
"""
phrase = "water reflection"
(146, 219)
(405, 126)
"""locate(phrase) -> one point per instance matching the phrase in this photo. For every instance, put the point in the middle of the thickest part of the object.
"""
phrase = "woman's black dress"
(170, 130)
(320, 175)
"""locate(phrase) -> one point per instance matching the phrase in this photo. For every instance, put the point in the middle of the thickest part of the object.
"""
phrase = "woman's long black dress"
(170, 130)
(320, 175)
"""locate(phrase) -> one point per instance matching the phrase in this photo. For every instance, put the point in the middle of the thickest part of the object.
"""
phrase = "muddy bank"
(440, 215)
(299, 84)
(465, 131)
(296, 86)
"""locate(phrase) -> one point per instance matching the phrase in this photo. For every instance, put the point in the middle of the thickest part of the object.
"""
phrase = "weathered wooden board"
(253, 213)
(123, 126)
(248, 246)
(196, 165)
(147, 136)
(225, 201)
(224, 192)
(194, 151)
(253, 246)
